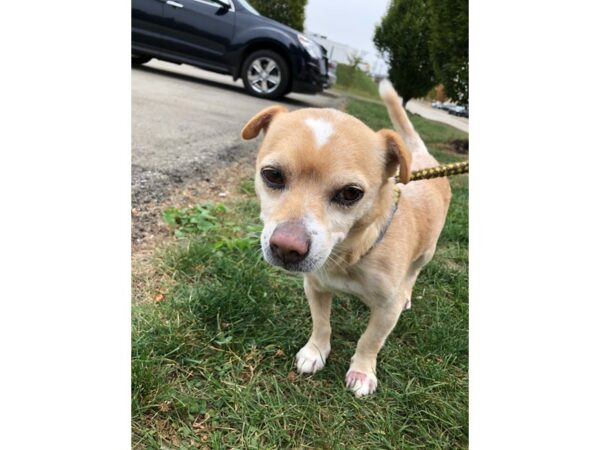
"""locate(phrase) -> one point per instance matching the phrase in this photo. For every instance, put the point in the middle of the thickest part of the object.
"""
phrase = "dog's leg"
(361, 377)
(311, 358)
(409, 282)
(413, 273)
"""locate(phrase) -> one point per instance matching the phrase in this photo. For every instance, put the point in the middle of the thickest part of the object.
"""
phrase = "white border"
(64, 323)
(65, 139)
(534, 302)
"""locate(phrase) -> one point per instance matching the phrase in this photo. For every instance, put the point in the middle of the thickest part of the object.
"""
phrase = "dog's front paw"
(361, 383)
(310, 359)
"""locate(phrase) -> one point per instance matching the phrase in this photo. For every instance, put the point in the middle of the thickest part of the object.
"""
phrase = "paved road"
(425, 109)
(186, 122)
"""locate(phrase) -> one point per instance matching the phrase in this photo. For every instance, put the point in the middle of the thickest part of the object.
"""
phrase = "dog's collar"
(385, 227)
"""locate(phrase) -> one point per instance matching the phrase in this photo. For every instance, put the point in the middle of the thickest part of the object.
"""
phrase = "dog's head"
(319, 174)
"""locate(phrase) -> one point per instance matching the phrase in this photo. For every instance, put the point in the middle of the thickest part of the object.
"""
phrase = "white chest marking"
(321, 129)
(341, 284)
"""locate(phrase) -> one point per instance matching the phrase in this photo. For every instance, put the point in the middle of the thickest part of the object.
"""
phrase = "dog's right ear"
(261, 121)
(398, 156)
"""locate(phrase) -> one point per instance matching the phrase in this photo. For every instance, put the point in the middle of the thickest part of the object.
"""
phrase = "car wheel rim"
(264, 75)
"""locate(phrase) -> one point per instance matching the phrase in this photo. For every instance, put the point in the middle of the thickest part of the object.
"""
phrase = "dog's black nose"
(290, 242)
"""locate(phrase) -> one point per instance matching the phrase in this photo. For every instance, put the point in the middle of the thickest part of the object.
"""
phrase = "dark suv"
(228, 36)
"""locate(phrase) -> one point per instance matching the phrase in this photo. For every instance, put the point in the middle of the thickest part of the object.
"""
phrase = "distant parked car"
(331, 74)
(457, 110)
(231, 37)
(437, 104)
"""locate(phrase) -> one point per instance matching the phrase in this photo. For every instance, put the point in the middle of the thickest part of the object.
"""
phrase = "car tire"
(140, 59)
(272, 80)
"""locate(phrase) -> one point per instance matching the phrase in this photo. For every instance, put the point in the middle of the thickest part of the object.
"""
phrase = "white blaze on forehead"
(321, 129)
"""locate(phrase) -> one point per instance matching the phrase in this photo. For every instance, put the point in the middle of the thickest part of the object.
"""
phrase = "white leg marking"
(361, 383)
(310, 359)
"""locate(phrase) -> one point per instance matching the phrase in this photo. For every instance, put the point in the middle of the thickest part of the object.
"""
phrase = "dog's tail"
(399, 117)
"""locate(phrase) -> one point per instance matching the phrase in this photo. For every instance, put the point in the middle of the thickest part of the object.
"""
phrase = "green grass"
(355, 81)
(212, 363)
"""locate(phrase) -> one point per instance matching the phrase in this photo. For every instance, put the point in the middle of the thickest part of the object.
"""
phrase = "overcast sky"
(350, 22)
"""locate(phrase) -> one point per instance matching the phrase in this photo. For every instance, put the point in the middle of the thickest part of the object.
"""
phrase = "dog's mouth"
(293, 267)
(303, 259)
(297, 245)
(295, 264)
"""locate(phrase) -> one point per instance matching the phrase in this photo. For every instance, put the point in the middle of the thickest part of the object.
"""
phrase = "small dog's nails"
(353, 377)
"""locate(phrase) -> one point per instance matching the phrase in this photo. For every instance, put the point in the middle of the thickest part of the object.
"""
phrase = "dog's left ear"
(261, 121)
(397, 154)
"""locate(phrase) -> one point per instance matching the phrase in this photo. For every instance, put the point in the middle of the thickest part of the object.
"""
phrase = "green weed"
(193, 220)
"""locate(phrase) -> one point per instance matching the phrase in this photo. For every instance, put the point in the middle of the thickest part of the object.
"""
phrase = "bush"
(355, 80)
(288, 12)
(403, 36)
(437, 93)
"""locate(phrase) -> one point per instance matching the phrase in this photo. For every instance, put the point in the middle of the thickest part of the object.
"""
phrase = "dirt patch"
(147, 226)
(150, 233)
(460, 146)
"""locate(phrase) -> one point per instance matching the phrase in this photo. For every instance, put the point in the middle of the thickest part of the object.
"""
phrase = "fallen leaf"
(198, 426)
(161, 424)
(292, 376)
(159, 298)
(279, 353)
(165, 406)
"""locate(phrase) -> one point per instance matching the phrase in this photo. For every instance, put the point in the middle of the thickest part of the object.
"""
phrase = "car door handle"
(175, 4)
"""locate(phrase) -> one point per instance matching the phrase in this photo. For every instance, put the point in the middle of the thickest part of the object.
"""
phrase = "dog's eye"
(273, 177)
(348, 195)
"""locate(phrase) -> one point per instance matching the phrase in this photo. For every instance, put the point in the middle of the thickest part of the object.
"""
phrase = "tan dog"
(326, 188)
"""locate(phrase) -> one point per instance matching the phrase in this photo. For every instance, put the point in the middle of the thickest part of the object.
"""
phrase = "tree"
(403, 38)
(355, 60)
(449, 46)
(288, 12)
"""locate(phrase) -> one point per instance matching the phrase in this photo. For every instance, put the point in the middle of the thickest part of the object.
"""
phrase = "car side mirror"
(223, 3)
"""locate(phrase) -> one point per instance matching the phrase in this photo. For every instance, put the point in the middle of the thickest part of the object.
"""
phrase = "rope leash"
(445, 170)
